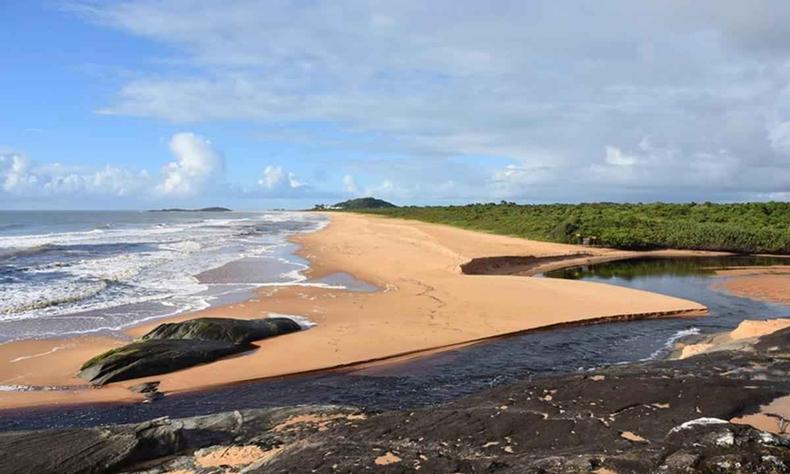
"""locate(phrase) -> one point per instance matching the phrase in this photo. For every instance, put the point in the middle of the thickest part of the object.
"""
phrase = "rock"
(122, 447)
(145, 387)
(174, 346)
(237, 331)
(680, 461)
(566, 434)
(153, 357)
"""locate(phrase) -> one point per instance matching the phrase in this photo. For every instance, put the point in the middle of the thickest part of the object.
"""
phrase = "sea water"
(66, 273)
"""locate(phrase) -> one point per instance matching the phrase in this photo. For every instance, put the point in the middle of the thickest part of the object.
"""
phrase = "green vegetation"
(364, 203)
(747, 227)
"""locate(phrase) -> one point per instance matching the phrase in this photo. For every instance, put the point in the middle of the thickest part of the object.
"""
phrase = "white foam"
(302, 321)
(162, 271)
(670, 343)
(40, 354)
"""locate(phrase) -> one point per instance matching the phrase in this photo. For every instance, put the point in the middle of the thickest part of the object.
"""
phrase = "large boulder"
(174, 346)
(236, 331)
(153, 357)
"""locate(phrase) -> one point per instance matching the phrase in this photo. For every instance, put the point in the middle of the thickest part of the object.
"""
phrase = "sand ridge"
(425, 303)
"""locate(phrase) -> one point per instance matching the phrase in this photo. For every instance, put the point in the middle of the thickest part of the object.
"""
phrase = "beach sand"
(425, 303)
(746, 333)
(769, 284)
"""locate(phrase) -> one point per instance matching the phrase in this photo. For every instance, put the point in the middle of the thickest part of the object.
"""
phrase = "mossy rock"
(153, 357)
(238, 331)
(175, 346)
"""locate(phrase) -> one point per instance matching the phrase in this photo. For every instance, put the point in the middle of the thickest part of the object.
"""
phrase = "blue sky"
(253, 104)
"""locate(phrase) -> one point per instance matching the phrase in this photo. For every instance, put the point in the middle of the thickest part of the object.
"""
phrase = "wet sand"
(746, 333)
(426, 302)
(771, 284)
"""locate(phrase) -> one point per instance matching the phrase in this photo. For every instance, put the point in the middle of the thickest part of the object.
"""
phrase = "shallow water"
(450, 375)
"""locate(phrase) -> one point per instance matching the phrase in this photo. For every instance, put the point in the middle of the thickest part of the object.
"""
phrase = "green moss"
(117, 352)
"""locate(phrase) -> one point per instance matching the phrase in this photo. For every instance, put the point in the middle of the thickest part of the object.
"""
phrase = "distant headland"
(205, 209)
(359, 203)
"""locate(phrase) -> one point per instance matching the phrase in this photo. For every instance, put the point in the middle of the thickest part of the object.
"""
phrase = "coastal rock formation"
(113, 448)
(174, 346)
(665, 416)
(153, 357)
(235, 331)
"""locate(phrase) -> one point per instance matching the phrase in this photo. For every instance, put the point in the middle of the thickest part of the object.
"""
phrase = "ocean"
(66, 273)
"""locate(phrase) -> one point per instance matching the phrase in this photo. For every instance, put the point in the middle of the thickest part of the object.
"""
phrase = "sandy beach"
(761, 283)
(425, 303)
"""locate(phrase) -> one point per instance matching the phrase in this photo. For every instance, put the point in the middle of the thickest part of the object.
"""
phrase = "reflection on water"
(450, 375)
(677, 267)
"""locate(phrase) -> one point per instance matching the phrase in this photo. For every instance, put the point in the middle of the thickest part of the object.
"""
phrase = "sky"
(283, 104)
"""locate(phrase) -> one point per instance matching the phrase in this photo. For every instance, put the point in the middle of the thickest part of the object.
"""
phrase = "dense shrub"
(747, 227)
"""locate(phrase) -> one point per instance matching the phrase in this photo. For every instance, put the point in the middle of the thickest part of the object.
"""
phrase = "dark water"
(450, 375)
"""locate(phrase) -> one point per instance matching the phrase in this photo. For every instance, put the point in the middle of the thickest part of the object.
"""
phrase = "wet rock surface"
(174, 346)
(667, 416)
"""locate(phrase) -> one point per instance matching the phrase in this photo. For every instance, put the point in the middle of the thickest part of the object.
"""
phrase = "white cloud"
(23, 177)
(408, 78)
(14, 168)
(120, 181)
(275, 178)
(196, 162)
(272, 176)
(350, 184)
(615, 156)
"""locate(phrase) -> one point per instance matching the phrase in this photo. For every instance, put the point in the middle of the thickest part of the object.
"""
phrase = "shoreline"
(359, 328)
(768, 284)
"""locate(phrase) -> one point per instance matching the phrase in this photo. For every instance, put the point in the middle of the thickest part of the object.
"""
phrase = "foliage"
(364, 203)
(747, 227)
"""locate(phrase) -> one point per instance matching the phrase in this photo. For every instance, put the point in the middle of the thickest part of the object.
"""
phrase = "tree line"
(760, 227)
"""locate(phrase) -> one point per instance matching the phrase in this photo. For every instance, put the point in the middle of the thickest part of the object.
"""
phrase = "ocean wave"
(11, 252)
(148, 269)
(41, 300)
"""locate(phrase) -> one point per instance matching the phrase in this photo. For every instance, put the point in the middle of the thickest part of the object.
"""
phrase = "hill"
(365, 203)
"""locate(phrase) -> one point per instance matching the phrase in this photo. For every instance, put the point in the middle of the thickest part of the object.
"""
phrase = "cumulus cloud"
(706, 80)
(14, 168)
(275, 178)
(22, 177)
(196, 162)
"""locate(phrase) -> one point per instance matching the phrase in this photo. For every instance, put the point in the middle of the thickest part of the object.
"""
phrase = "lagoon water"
(65, 273)
(449, 375)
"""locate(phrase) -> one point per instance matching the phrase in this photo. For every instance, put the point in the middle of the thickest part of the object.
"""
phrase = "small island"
(205, 209)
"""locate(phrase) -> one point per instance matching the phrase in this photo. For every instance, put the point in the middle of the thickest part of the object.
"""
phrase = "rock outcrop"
(174, 346)
(235, 331)
(666, 416)
(117, 448)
